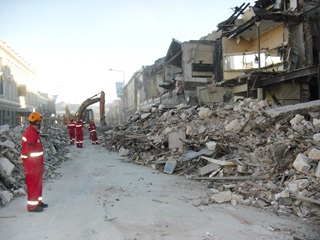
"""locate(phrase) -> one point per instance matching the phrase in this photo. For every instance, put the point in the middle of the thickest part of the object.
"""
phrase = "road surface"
(101, 196)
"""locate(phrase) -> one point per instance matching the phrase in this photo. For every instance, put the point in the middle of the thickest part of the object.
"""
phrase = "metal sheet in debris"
(187, 156)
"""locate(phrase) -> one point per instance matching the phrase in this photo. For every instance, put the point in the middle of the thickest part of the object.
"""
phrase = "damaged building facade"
(18, 89)
(266, 51)
(272, 51)
(172, 79)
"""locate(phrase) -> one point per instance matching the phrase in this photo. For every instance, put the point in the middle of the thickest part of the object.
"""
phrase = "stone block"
(6, 196)
(242, 168)
(9, 144)
(174, 139)
(222, 197)
(316, 122)
(233, 126)
(316, 137)
(204, 113)
(208, 168)
(211, 145)
(298, 185)
(7, 166)
(237, 198)
(314, 154)
(301, 163)
(293, 187)
(296, 120)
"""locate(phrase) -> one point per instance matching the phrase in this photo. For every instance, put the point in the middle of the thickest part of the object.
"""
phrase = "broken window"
(251, 60)
(202, 70)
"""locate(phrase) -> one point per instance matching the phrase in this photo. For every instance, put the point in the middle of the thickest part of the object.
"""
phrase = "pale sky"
(74, 43)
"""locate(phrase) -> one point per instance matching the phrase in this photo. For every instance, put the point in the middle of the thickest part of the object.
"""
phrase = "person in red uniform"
(33, 162)
(71, 128)
(79, 133)
(93, 132)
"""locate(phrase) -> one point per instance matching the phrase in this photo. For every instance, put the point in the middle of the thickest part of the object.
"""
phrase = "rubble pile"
(248, 153)
(12, 178)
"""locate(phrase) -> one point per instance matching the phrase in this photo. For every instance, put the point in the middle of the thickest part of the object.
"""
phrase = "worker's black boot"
(37, 209)
(44, 205)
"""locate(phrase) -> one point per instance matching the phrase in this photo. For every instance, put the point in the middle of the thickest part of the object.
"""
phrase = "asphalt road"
(100, 196)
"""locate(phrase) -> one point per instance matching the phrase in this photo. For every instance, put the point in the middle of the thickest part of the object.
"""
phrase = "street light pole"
(123, 74)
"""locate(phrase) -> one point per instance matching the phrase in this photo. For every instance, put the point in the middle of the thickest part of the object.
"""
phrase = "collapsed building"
(272, 52)
(214, 109)
(248, 152)
(266, 51)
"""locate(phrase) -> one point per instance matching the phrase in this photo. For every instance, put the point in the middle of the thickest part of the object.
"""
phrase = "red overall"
(33, 161)
(93, 133)
(71, 128)
(79, 134)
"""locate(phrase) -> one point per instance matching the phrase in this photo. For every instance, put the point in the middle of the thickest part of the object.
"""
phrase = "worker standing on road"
(79, 133)
(71, 128)
(93, 132)
(33, 162)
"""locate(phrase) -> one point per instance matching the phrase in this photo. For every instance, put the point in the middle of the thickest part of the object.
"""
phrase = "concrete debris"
(267, 157)
(123, 152)
(221, 197)
(6, 196)
(211, 145)
(301, 163)
(12, 178)
(6, 166)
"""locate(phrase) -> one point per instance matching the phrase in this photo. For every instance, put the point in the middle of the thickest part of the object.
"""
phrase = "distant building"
(19, 95)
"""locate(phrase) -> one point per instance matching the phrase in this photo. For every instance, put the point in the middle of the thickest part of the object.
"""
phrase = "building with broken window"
(172, 79)
(271, 51)
(18, 89)
(266, 51)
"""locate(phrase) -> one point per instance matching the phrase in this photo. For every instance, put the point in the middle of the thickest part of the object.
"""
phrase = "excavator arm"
(94, 99)
(102, 109)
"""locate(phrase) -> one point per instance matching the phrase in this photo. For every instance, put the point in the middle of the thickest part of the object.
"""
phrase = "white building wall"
(18, 76)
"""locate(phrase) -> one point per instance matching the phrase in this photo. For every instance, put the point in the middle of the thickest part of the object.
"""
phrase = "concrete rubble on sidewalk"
(12, 178)
(249, 152)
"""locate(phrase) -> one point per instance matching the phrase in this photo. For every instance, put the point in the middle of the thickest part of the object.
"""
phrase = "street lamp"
(114, 70)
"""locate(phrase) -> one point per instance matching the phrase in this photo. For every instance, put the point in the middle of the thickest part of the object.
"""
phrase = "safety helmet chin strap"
(36, 123)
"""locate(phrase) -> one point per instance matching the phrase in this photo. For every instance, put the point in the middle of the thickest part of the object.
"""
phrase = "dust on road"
(99, 196)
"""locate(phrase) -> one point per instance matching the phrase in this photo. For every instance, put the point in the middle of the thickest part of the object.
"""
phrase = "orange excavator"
(67, 118)
(87, 114)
